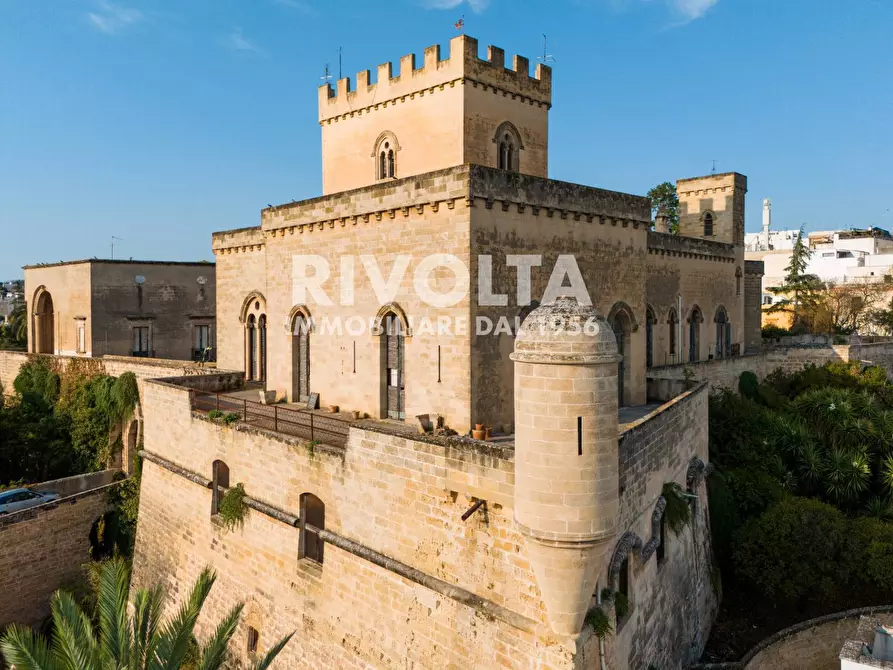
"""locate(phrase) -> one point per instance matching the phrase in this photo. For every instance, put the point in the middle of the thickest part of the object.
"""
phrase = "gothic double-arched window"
(508, 147)
(708, 224)
(385, 154)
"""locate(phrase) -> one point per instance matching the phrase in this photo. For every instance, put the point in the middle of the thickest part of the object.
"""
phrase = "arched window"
(219, 484)
(299, 329)
(508, 147)
(622, 321)
(43, 330)
(673, 323)
(694, 334)
(385, 154)
(254, 320)
(708, 225)
(723, 333)
(650, 320)
(313, 520)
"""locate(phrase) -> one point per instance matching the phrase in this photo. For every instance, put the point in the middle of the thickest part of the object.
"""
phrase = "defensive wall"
(44, 548)
(404, 578)
(666, 381)
(815, 644)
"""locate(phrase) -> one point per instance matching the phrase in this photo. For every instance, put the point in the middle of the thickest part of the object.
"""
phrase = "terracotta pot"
(478, 426)
(333, 409)
(487, 432)
(477, 434)
(356, 414)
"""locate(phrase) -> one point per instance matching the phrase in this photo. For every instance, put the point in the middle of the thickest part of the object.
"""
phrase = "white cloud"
(238, 42)
(297, 5)
(112, 19)
(477, 6)
(693, 9)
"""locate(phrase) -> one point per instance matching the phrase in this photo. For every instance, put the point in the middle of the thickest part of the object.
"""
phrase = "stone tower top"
(462, 109)
(712, 207)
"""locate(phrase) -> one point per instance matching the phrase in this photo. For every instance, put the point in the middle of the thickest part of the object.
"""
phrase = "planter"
(477, 434)
(356, 414)
(487, 432)
(478, 426)
(333, 409)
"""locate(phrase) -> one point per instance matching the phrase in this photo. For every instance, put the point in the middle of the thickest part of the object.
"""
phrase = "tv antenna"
(327, 74)
(713, 170)
(339, 62)
(546, 58)
(113, 245)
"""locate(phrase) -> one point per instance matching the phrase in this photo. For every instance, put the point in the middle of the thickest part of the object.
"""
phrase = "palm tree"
(17, 323)
(120, 642)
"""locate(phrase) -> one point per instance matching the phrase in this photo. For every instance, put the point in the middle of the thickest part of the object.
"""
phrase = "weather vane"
(546, 58)
(327, 74)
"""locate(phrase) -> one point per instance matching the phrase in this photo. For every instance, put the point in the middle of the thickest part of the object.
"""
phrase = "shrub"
(233, 509)
(230, 418)
(794, 551)
(872, 555)
(215, 414)
(677, 512)
(599, 621)
(749, 386)
(38, 377)
(772, 332)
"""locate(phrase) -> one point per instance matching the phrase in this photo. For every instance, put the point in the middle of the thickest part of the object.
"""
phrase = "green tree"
(15, 331)
(664, 199)
(800, 290)
(121, 641)
(882, 319)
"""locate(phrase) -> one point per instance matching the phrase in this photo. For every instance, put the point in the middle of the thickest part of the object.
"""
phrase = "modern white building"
(840, 256)
(857, 654)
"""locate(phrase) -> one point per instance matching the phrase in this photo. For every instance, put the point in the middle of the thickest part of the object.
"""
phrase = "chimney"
(661, 222)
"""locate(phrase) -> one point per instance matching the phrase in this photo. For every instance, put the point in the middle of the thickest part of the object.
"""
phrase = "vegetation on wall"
(14, 333)
(118, 638)
(233, 508)
(800, 501)
(678, 510)
(58, 423)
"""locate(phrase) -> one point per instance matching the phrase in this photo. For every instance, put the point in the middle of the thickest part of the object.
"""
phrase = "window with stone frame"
(219, 484)
(708, 224)
(508, 147)
(253, 639)
(141, 341)
(312, 520)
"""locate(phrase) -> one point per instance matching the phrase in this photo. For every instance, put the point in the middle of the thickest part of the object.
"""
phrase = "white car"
(16, 499)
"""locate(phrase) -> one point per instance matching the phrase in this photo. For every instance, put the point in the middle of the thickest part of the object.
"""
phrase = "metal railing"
(304, 423)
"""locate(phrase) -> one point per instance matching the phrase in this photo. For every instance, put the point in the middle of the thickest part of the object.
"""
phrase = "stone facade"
(472, 598)
(99, 307)
(45, 548)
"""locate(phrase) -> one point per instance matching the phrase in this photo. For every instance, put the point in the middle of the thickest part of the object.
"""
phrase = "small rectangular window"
(253, 639)
(662, 547)
(141, 341)
(202, 340)
(82, 339)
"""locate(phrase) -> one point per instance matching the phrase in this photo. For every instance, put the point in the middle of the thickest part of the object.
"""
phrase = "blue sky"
(161, 121)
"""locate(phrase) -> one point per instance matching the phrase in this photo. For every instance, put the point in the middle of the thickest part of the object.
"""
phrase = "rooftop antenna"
(113, 245)
(339, 62)
(546, 58)
(713, 171)
(327, 75)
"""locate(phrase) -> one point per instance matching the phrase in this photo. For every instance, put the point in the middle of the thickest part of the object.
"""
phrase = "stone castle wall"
(399, 497)
(753, 306)
(43, 549)
(705, 275)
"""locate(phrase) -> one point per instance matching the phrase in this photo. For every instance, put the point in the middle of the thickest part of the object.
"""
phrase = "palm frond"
(147, 607)
(115, 632)
(26, 650)
(173, 643)
(269, 657)
(74, 642)
(879, 508)
(214, 652)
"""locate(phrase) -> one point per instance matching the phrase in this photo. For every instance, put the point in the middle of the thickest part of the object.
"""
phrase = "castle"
(384, 546)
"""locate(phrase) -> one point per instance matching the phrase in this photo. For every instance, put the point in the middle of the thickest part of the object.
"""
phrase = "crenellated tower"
(566, 453)
(461, 109)
(712, 207)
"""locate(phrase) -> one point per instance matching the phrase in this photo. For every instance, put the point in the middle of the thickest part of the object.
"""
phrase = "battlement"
(461, 68)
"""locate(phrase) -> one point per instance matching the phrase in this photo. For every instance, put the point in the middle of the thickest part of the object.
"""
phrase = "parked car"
(16, 499)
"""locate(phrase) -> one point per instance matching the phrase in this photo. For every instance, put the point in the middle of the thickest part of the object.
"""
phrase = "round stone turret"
(566, 460)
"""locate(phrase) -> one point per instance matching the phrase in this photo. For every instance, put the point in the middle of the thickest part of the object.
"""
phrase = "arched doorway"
(673, 323)
(44, 323)
(393, 331)
(723, 333)
(650, 320)
(694, 334)
(623, 323)
(299, 329)
(254, 320)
